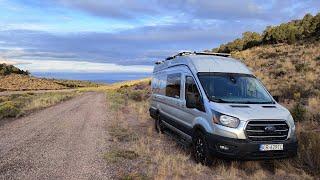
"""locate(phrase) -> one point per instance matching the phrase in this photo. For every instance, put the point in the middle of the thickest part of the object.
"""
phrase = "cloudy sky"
(129, 35)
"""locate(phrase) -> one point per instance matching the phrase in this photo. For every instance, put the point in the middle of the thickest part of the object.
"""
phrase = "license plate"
(271, 147)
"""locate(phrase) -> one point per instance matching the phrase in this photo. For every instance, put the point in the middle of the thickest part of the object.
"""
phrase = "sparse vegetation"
(116, 155)
(160, 157)
(15, 79)
(20, 104)
(309, 158)
(8, 109)
(75, 83)
(298, 112)
(10, 69)
(306, 29)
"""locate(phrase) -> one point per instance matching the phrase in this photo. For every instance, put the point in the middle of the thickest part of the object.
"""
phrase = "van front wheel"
(201, 152)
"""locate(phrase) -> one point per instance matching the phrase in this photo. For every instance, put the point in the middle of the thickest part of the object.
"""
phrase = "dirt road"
(66, 141)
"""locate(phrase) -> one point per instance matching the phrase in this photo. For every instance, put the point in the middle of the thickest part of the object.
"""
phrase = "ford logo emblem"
(270, 129)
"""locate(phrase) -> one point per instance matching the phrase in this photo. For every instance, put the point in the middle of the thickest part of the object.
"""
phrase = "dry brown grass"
(286, 69)
(161, 157)
(21, 104)
(16, 82)
(289, 71)
(116, 155)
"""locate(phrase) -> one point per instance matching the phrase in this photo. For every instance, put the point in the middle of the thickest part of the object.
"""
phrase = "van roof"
(205, 63)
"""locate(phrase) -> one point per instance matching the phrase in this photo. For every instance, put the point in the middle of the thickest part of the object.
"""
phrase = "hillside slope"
(306, 29)
(291, 72)
(15, 79)
(19, 82)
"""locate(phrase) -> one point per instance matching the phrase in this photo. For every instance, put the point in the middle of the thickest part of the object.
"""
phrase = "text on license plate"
(271, 147)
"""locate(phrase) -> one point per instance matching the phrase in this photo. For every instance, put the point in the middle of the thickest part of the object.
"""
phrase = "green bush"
(298, 112)
(3, 99)
(136, 95)
(10, 69)
(8, 109)
(301, 67)
(291, 32)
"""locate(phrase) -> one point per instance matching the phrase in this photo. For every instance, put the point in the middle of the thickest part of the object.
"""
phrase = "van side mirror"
(276, 98)
(190, 102)
(193, 101)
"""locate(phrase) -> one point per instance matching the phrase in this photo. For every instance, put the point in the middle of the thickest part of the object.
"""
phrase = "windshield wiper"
(253, 102)
(218, 100)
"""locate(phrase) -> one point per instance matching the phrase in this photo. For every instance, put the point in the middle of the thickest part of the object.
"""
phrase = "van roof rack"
(159, 62)
(213, 54)
(185, 53)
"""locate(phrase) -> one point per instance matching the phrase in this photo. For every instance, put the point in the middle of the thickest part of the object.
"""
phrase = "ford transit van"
(215, 104)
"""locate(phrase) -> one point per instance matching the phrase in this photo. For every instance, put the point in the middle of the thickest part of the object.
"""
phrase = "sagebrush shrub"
(136, 95)
(309, 151)
(8, 109)
(298, 112)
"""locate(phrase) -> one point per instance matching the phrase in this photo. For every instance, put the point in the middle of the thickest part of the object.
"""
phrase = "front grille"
(267, 130)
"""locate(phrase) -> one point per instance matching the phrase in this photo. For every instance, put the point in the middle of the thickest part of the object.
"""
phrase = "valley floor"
(104, 135)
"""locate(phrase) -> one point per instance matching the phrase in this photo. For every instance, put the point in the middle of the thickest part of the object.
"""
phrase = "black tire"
(200, 149)
(158, 124)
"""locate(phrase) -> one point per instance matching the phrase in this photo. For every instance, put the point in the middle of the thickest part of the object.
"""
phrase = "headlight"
(226, 120)
(291, 122)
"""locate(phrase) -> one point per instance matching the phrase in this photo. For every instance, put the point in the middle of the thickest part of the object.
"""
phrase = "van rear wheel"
(159, 126)
(200, 150)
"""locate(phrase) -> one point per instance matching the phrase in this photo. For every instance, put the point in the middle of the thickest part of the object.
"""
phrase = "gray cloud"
(138, 46)
(195, 25)
(125, 9)
(115, 9)
(203, 9)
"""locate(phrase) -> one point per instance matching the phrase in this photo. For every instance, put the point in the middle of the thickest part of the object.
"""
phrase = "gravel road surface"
(65, 141)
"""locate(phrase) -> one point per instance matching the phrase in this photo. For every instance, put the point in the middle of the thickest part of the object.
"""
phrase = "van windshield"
(234, 88)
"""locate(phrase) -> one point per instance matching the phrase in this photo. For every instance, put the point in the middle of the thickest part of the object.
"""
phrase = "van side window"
(162, 84)
(173, 85)
(192, 93)
(154, 85)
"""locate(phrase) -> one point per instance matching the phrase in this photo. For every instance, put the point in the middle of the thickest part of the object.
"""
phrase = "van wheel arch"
(198, 129)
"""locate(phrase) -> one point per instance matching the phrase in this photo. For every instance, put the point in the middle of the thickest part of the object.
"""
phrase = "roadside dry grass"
(158, 156)
(21, 104)
(18, 82)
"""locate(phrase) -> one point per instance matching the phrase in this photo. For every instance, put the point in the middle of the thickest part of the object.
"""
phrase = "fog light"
(223, 147)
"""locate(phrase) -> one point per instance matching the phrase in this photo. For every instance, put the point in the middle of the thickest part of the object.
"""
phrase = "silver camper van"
(215, 104)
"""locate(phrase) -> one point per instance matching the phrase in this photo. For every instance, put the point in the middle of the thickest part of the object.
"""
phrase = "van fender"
(202, 124)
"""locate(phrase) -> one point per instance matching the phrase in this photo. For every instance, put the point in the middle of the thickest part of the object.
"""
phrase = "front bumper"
(248, 150)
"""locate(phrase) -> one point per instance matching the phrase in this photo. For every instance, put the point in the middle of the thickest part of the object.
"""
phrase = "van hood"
(247, 112)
